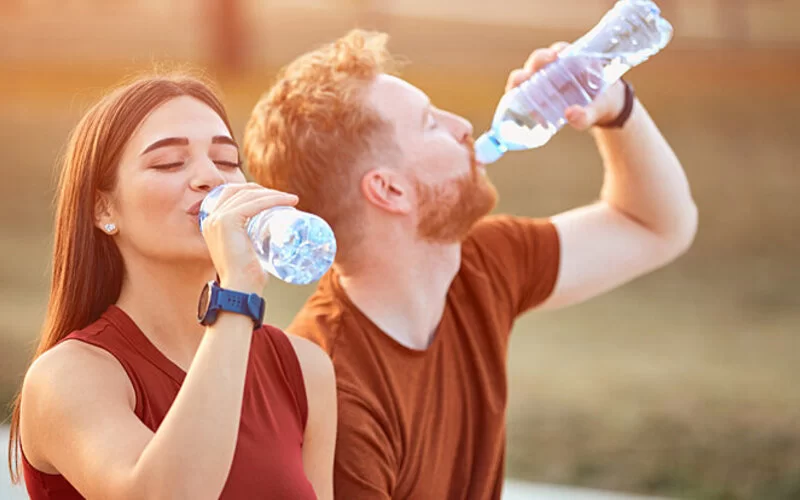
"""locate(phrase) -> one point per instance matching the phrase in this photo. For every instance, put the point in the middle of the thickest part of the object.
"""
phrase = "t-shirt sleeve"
(313, 328)
(364, 467)
(520, 256)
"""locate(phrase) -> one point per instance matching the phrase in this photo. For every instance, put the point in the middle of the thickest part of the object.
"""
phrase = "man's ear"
(388, 190)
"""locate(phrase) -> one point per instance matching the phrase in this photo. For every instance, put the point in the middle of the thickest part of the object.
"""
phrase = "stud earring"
(110, 228)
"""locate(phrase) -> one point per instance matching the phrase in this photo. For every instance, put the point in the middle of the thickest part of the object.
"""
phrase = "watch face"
(202, 304)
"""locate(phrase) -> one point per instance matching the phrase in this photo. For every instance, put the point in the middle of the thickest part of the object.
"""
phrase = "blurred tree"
(732, 15)
(227, 31)
(669, 8)
(10, 6)
(370, 14)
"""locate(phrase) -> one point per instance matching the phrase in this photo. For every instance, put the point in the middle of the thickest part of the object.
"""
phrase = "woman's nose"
(206, 176)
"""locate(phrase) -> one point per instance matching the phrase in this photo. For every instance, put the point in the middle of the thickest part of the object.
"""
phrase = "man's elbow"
(680, 239)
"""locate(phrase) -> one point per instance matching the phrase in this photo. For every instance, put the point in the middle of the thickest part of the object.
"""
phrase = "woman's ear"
(387, 189)
(103, 215)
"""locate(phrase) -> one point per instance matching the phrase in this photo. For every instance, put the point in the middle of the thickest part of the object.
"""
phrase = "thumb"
(516, 77)
(580, 118)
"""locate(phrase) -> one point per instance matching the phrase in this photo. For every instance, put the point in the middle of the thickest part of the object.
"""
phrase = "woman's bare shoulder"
(68, 383)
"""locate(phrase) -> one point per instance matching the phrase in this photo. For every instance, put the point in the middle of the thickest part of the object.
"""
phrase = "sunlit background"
(683, 383)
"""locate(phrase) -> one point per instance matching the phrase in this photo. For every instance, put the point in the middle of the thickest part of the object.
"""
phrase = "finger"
(245, 196)
(246, 204)
(252, 207)
(232, 191)
(578, 117)
(559, 46)
(539, 59)
(228, 190)
(231, 195)
(235, 194)
(516, 77)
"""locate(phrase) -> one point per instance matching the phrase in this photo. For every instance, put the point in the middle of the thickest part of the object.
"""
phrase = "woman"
(128, 395)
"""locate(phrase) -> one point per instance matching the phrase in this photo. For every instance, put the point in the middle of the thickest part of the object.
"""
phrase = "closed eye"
(228, 164)
(167, 166)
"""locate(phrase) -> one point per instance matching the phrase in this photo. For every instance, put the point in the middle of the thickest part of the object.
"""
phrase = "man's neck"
(162, 300)
(403, 290)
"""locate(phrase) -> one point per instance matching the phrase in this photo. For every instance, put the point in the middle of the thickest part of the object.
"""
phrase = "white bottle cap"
(487, 150)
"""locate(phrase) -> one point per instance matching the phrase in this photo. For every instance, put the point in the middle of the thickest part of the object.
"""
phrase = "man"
(417, 310)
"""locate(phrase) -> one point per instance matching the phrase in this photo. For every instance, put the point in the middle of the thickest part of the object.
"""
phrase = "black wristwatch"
(214, 299)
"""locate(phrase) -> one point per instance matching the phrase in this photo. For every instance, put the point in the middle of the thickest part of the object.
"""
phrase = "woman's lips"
(194, 209)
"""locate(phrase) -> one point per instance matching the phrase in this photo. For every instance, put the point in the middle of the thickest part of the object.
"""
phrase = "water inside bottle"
(296, 247)
(293, 246)
(529, 115)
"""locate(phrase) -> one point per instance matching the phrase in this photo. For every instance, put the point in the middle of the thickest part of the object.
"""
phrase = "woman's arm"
(77, 420)
(77, 404)
(320, 435)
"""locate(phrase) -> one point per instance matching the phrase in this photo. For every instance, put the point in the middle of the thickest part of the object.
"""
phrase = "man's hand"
(645, 217)
(604, 109)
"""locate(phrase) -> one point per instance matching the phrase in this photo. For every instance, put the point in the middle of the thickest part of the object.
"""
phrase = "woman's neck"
(161, 298)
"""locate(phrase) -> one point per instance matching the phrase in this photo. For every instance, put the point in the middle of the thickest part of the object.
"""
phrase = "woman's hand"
(225, 232)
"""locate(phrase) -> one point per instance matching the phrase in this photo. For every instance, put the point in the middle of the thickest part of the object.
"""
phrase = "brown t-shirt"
(431, 424)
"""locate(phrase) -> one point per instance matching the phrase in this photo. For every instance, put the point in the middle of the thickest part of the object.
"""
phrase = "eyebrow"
(183, 141)
(223, 139)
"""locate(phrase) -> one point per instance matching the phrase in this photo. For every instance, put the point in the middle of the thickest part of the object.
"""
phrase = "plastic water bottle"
(530, 114)
(294, 246)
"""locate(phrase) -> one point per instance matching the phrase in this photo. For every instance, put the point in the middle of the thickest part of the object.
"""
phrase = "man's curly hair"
(313, 133)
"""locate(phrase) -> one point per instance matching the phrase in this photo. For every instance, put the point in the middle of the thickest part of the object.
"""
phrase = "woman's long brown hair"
(87, 266)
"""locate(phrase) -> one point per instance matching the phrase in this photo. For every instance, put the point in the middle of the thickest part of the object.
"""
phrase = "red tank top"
(268, 461)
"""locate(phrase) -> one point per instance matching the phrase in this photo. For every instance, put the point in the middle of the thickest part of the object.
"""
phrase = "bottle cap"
(487, 150)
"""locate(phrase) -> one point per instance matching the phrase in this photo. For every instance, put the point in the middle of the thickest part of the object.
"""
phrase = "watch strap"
(220, 299)
(242, 303)
(627, 108)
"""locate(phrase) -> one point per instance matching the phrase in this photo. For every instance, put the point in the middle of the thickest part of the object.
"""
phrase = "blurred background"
(683, 383)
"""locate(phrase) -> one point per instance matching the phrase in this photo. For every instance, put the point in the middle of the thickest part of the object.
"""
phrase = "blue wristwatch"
(214, 299)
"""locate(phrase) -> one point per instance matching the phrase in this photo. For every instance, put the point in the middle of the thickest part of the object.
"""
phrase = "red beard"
(448, 211)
